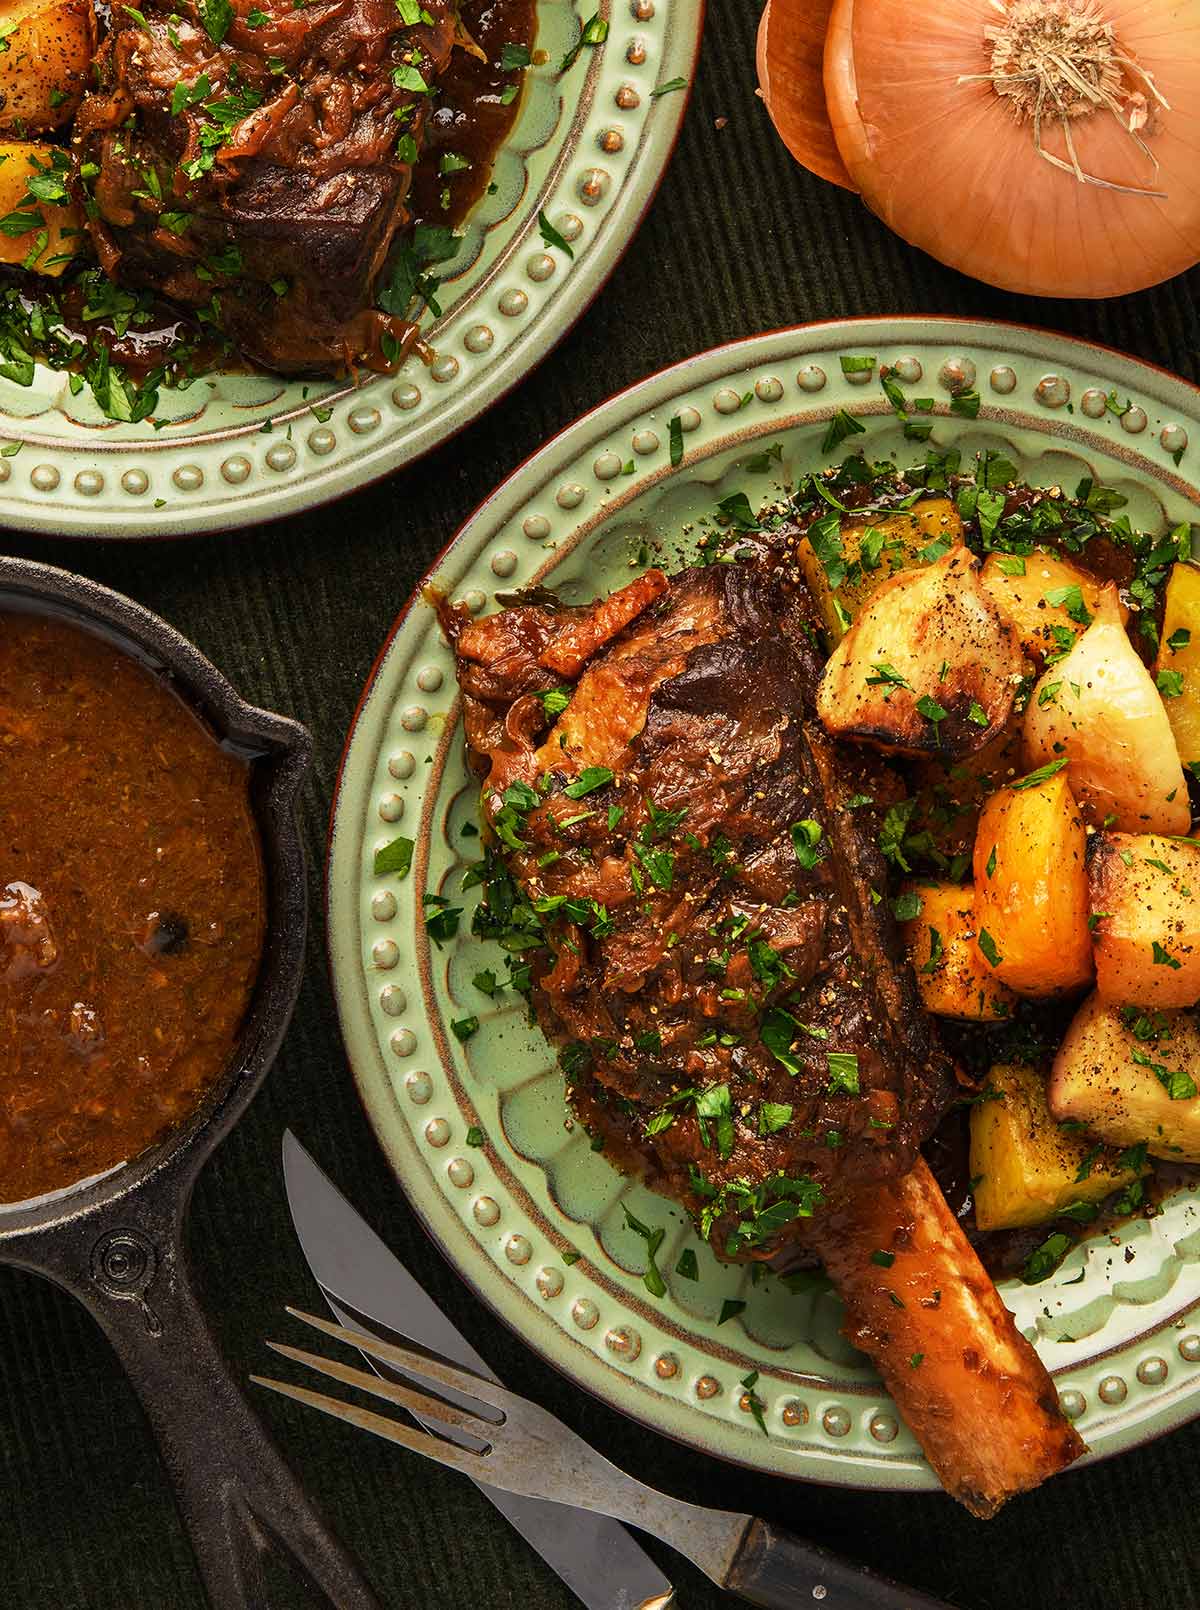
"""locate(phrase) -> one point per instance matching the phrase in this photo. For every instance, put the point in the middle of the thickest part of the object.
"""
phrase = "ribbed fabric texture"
(739, 240)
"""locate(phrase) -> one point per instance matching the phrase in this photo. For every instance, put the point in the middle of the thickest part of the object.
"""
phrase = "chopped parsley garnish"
(589, 780)
(806, 836)
(730, 1308)
(1179, 1085)
(1163, 957)
(394, 857)
(906, 906)
(841, 426)
(553, 237)
(777, 1032)
(474, 1136)
(774, 1116)
(675, 429)
(989, 948)
(595, 32)
(659, 864)
(441, 919)
(1169, 683)
(884, 1260)
(555, 700)
(843, 1072)
(1042, 774)
(464, 1027)
(514, 57)
(931, 709)
(1071, 599)
(1045, 1259)
(652, 1278)
(688, 1267)
(216, 17)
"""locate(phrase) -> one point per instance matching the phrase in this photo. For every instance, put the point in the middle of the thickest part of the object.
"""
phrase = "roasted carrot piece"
(571, 648)
(925, 1311)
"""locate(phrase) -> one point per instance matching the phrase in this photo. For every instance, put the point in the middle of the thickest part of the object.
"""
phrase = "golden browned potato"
(873, 550)
(1099, 707)
(1023, 589)
(1031, 887)
(1179, 659)
(952, 977)
(1145, 919)
(45, 64)
(1131, 1076)
(1025, 1167)
(928, 668)
(54, 232)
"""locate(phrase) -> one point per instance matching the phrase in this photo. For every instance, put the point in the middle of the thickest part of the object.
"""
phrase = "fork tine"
(426, 1406)
(445, 1453)
(414, 1363)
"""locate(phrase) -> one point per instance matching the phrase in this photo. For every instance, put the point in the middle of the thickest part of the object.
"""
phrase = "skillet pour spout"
(116, 1242)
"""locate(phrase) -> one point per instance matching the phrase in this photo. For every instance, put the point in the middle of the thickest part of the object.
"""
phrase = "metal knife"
(596, 1557)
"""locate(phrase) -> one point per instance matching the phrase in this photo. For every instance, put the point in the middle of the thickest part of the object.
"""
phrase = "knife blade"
(595, 1557)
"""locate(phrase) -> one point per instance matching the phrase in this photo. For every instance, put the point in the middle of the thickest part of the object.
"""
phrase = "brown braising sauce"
(472, 119)
(131, 906)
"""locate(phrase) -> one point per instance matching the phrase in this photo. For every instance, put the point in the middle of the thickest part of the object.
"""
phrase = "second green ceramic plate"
(532, 1217)
(588, 150)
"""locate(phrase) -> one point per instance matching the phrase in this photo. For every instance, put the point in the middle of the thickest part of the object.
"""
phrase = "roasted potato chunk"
(952, 977)
(1036, 594)
(871, 551)
(1100, 708)
(46, 63)
(928, 668)
(1179, 654)
(1130, 1076)
(1145, 918)
(1031, 888)
(1026, 1169)
(54, 232)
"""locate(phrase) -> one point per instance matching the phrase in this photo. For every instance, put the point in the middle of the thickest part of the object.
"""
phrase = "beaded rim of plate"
(239, 449)
(496, 1209)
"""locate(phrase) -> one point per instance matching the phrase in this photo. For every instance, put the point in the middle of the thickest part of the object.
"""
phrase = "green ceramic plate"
(588, 148)
(1123, 1342)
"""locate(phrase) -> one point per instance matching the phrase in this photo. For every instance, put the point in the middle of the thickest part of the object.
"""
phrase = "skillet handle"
(237, 1497)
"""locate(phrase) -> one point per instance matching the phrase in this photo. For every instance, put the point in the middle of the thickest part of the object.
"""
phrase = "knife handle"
(777, 1571)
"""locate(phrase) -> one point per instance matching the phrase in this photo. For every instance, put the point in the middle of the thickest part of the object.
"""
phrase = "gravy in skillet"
(131, 906)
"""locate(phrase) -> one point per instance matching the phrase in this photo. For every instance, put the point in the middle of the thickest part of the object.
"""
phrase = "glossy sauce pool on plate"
(131, 906)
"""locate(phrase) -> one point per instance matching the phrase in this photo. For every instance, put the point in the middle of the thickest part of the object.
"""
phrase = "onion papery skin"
(790, 54)
(948, 167)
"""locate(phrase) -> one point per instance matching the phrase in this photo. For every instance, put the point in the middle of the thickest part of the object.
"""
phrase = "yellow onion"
(1046, 146)
(790, 56)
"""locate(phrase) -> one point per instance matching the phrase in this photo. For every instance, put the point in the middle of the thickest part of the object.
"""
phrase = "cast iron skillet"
(116, 1243)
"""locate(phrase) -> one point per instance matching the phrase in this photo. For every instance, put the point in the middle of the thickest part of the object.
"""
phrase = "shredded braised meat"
(746, 961)
(263, 179)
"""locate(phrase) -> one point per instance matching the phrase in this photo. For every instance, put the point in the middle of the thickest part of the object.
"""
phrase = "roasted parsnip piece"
(1099, 707)
(1131, 1076)
(968, 1384)
(1145, 903)
(45, 64)
(927, 668)
(871, 550)
(1026, 1168)
(1043, 598)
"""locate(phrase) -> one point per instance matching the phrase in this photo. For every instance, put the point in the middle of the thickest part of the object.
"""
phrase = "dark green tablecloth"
(738, 241)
